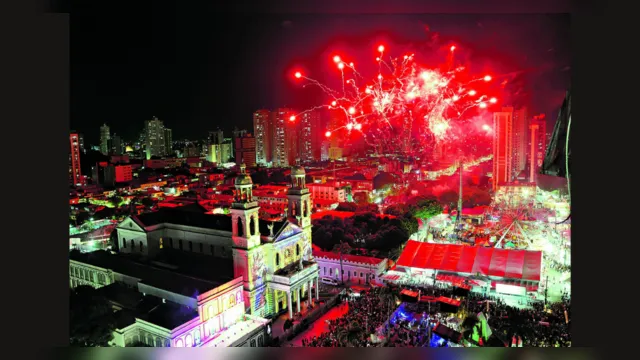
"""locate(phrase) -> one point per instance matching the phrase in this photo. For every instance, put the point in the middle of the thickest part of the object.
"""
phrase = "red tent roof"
(512, 264)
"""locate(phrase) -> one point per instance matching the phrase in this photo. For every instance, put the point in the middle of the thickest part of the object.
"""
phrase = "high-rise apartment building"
(115, 145)
(168, 141)
(502, 147)
(520, 130)
(105, 135)
(74, 158)
(283, 135)
(81, 142)
(537, 144)
(154, 136)
(337, 119)
(262, 128)
(246, 150)
(310, 131)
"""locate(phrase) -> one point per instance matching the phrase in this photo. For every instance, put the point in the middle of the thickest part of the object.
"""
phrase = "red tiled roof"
(351, 258)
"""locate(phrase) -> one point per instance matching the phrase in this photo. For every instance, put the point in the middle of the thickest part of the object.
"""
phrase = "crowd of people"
(537, 326)
(365, 314)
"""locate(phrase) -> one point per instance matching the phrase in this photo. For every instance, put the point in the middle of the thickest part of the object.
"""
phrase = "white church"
(274, 259)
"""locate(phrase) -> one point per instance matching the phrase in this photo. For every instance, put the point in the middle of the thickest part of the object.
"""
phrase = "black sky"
(200, 70)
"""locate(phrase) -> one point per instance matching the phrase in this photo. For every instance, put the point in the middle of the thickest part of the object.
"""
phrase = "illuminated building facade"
(502, 147)
(123, 173)
(246, 150)
(154, 136)
(160, 308)
(273, 258)
(520, 128)
(74, 159)
(328, 191)
(262, 129)
(105, 135)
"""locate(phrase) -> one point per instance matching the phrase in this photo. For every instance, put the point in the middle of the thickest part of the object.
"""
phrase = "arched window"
(240, 229)
(188, 342)
(305, 211)
(124, 243)
(277, 259)
(196, 336)
(160, 244)
(167, 343)
(297, 249)
(232, 301)
(141, 246)
(293, 209)
(179, 343)
(158, 342)
(252, 226)
(133, 245)
(211, 312)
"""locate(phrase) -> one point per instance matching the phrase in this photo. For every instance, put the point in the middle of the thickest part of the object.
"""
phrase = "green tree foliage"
(91, 319)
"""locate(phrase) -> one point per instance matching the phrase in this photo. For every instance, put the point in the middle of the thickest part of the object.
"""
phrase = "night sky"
(204, 70)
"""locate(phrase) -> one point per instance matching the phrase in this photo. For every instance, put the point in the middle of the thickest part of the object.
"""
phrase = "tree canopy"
(91, 318)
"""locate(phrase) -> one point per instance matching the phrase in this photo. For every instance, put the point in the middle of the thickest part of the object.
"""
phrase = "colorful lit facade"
(502, 147)
(274, 258)
(246, 150)
(75, 176)
(520, 129)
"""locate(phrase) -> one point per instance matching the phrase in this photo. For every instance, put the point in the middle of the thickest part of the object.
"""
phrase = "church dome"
(243, 178)
(297, 171)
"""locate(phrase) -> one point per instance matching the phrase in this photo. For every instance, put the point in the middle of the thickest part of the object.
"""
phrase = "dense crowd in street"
(535, 326)
(366, 313)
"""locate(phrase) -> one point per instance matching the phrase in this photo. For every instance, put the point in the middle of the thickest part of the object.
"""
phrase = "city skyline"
(286, 42)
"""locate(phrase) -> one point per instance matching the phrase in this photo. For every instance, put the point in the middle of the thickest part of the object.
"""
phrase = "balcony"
(291, 274)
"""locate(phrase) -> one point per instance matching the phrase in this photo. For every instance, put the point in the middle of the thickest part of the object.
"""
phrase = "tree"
(91, 318)
(448, 197)
(347, 206)
(147, 202)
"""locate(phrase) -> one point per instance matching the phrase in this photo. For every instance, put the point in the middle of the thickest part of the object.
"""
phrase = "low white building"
(356, 269)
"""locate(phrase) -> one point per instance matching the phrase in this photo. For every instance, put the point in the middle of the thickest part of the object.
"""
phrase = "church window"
(124, 243)
(277, 259)
(160, 243)
(141, 246)
(252, 226)
(240, 229)
(133, 245)
(297, 249)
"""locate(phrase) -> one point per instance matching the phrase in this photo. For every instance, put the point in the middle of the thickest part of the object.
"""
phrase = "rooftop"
(153, 276)
(350, 258)
(188, 215)
(169, 315)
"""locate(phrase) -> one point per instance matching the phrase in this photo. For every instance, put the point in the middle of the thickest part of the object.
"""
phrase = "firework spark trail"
(422, 103)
